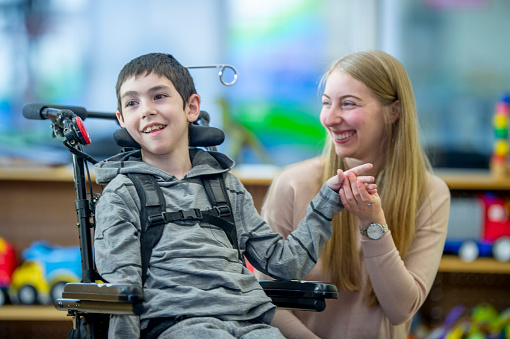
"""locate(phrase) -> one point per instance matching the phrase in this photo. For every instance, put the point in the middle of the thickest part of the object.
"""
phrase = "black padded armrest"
(126, 299)
(299, 295)
(101, 298)
(103, 292)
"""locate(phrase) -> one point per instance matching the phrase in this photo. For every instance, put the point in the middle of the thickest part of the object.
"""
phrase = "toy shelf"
(451, 264)
(484, 280)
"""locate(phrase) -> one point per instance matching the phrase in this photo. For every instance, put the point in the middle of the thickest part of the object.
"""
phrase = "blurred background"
(69, 52)
(66, 52)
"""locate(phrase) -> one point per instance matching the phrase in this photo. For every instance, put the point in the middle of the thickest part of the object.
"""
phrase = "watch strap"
(363, 231)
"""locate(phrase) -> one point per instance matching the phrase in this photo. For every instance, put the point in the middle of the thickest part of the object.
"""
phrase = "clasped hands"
(357, 192)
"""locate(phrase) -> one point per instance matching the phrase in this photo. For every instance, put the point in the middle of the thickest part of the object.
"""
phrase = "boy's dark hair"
(163, 65)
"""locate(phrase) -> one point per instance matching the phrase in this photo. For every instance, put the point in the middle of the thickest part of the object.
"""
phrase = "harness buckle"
(222, 211)
(191, 214)
(157, 219)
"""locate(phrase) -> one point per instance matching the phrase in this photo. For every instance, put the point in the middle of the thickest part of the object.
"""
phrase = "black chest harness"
(154, 216)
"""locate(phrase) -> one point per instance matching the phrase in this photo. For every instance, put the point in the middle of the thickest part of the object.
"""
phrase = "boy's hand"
(361, 201)
(336, 182)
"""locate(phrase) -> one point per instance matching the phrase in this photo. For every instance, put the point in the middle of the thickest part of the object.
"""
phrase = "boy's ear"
(194, 107)
(395, 111)
(120, 118)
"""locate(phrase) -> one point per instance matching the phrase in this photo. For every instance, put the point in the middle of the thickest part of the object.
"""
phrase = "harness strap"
(153, 202)
(220, 215)
(153, 215)
(217, 193)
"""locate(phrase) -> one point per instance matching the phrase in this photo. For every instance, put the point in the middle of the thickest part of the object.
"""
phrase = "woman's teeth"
(344, 135)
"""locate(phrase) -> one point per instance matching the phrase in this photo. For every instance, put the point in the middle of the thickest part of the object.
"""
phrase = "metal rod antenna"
(221, 72)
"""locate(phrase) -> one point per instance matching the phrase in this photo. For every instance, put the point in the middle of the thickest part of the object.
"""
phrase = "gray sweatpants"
(208, 327)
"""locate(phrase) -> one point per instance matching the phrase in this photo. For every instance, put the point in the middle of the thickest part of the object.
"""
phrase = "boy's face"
(153, 114)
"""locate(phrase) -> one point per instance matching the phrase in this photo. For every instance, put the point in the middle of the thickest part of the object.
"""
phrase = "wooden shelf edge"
(472, 180)
(455, 179)
(65, 173)
(450, 263)
(43, 173)
(32, 313)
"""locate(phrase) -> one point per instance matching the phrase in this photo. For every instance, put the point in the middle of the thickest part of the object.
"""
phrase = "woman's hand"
(362, 201)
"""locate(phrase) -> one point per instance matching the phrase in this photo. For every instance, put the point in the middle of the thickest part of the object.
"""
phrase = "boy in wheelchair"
(195, 283)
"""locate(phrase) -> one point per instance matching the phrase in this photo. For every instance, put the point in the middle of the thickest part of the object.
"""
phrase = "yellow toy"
(499, 159)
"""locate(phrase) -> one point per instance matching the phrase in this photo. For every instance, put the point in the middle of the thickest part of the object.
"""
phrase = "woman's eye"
(349, 104)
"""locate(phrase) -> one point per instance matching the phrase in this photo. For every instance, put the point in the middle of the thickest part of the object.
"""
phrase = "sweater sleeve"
(117, 253)
(401, 286)
(294, 257)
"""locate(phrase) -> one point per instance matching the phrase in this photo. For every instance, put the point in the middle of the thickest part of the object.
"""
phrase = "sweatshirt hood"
(203, 162)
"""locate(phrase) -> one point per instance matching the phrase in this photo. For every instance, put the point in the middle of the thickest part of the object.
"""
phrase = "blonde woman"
(383, 255)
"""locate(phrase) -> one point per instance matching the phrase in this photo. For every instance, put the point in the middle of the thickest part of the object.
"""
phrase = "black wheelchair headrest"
(199, 136)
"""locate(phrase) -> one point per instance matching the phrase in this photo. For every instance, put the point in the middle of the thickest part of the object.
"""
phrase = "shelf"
(450, 263)
(456, 179)
(29, 313)
(37, 173)
(65, 173)
(472, 180)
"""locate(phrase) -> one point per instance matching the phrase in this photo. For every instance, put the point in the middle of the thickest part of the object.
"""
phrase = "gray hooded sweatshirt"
(194, 270)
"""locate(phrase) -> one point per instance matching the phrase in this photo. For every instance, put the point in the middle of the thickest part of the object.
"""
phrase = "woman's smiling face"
(353, 117)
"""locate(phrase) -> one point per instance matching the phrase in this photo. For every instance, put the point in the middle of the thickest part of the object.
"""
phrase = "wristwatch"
(374, 231)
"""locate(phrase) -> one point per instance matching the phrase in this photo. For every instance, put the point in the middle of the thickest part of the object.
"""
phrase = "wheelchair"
(91, 302)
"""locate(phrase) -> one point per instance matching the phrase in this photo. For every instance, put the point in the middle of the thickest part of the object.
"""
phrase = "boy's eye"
(130, 103)
(159, 96)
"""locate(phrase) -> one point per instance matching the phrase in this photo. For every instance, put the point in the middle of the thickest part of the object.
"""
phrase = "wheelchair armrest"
(126, 299)
(299, 295)
(101, 298)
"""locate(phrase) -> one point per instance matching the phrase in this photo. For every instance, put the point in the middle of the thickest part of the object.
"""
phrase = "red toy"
(8, 264)
(496, 217)
(496, 225)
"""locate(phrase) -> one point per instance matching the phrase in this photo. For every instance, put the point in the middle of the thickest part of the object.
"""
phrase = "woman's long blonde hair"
(401, 180)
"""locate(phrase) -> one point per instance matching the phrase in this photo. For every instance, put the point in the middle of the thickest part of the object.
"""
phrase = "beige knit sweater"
(401, 286)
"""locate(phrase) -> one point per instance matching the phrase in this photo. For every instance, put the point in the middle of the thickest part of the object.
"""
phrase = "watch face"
(375, 231)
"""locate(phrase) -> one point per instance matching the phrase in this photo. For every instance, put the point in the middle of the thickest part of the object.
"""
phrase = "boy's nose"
(147, 109)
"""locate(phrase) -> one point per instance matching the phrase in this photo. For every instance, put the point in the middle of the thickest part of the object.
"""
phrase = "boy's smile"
(155, 115)
(153, 128)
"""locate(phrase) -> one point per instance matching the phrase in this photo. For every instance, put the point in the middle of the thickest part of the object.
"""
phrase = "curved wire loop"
(221, 72)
